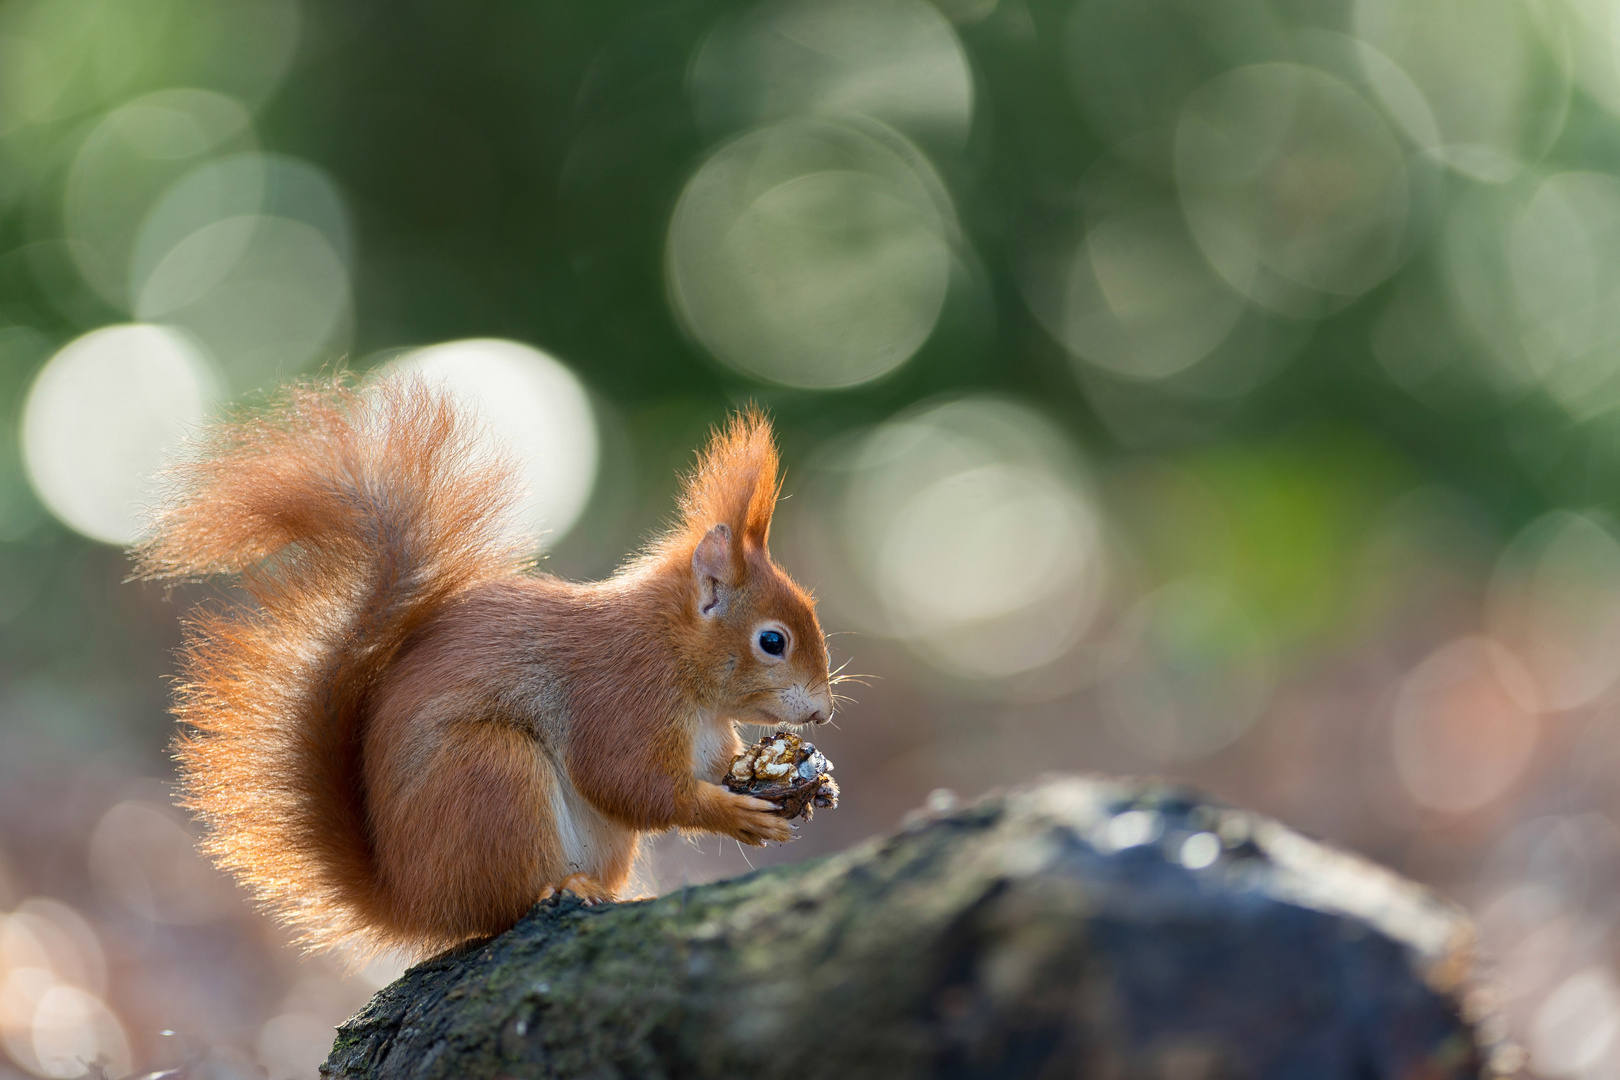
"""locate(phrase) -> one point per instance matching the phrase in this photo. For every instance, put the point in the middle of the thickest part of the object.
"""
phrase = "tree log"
(1079, 928)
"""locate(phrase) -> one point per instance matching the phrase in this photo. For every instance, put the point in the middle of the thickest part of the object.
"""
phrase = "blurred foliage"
(511, 172)
(1282, 260)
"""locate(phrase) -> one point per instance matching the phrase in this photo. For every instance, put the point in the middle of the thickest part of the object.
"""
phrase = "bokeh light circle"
(1589, 29)
(143, 859)
(1294, 186)
(1463, 731)
(72, 1028)
(812, 254)
(171, 215)
(896, 61)
(1532, 271)
(48, 935)
(232, 187)
(1496, 94)
(1564, 257)
(969, 526)
(101, 417)
(250, 253)
(1577, 1028)
(127, 161)
(1555, 601)
(1477, 271)
(53, 1021)
(266, 295)
(58, 59)
(1141, 300)
(534, 408)
(43, 71)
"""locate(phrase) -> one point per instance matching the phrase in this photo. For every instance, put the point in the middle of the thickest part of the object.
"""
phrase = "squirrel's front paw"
(754, 821)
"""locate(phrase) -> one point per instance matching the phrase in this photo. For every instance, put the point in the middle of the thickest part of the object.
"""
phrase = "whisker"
(837, 674)
(863, 680)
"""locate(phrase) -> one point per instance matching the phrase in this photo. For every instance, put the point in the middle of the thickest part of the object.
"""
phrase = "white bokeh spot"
(101, 418)
(533, 407)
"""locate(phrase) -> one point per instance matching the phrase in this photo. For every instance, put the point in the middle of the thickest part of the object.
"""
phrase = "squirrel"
(403, 736)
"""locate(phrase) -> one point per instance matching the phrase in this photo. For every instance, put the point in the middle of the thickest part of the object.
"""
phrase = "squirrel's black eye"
(772, 642)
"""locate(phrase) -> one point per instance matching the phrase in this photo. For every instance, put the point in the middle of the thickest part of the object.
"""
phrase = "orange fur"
(404, 738)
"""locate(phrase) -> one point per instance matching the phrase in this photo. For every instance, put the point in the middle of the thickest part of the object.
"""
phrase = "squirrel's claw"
(588, 889)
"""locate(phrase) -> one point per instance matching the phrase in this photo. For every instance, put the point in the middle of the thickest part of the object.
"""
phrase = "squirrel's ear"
(713, 568)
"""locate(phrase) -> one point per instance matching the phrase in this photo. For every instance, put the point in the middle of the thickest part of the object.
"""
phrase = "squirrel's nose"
(806, 706)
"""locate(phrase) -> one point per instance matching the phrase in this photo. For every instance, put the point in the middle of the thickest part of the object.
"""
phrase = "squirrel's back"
(350, 518)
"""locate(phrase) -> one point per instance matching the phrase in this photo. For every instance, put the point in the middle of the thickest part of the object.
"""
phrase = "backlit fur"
(404, 737)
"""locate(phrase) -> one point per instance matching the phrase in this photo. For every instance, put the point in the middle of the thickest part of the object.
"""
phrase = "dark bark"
(1068, 930)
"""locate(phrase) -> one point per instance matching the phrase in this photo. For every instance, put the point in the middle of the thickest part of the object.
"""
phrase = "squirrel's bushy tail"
(349, 517)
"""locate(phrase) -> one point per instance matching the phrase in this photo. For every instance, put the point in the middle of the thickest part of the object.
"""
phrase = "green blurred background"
(1224, 389)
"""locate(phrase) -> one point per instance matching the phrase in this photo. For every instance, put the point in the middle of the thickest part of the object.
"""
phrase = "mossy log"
(1079, 928)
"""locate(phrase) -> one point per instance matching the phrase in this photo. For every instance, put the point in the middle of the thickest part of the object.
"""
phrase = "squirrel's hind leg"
(463, 831)
(608, 883)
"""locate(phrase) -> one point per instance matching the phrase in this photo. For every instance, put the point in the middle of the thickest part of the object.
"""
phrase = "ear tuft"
(734, 483)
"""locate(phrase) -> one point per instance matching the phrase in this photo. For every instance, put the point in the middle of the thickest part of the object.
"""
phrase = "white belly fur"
(589, 841)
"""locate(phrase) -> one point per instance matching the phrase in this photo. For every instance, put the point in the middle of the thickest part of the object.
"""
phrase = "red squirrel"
(404, 736)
